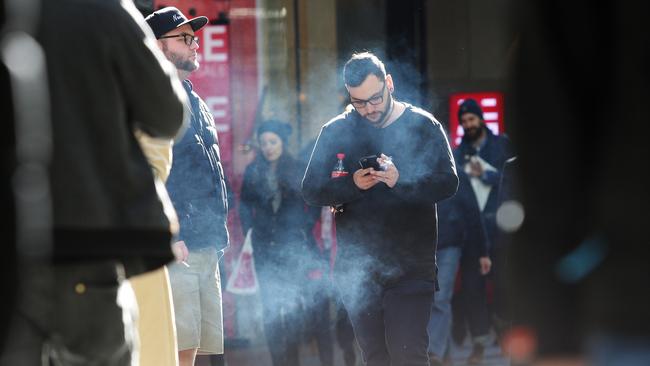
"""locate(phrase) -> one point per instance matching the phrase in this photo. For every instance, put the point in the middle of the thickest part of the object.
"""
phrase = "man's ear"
(389, 83)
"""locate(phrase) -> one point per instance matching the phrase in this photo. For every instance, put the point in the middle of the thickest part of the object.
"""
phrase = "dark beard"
(474, 134)
(382, 118)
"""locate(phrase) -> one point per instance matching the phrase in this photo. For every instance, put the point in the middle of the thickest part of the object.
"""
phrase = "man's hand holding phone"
(389, 174)
(364, 179)
(375, 169)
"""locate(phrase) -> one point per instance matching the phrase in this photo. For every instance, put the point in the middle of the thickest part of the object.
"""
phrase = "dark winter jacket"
(196, 183)
(460, 223)
(106, 78)
(495, 151)
(388, 234)
(282, 237)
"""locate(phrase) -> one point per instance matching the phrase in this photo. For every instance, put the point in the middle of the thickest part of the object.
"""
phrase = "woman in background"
(272, 206)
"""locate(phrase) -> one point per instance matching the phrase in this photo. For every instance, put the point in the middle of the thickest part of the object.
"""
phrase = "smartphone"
(370, 162)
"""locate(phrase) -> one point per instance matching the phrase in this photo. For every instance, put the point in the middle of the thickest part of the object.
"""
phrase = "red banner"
(212, 82)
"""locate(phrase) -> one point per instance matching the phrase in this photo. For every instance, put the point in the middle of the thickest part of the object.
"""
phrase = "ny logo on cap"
(176, 17)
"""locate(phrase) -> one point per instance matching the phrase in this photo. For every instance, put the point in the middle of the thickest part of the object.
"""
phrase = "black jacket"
(460, 222)
(282, 237)
(495, 151)
(389, 234)
(196, 182)
(106, 77)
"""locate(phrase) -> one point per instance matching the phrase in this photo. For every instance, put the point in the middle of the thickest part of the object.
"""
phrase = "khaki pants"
(156, 319)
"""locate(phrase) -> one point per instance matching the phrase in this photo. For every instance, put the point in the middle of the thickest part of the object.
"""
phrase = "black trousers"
(282, 314)
(470, 304)
(390, 323)
(345, 334)
(72, 315)
(502, 312)
(317, 322)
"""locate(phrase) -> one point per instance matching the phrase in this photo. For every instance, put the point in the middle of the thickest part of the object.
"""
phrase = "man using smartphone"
(386, 219)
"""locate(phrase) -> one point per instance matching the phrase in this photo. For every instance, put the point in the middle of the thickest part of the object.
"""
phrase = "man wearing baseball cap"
(197, 187)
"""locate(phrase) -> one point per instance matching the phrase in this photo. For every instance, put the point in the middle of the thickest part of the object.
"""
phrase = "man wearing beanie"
(197, 187)
(480, 157)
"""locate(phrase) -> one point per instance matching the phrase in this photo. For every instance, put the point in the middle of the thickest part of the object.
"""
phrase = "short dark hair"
(360, 65)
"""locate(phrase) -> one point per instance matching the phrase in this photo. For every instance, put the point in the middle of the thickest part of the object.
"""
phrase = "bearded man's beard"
(472, 134)
(179, 62)
(382, 115)
(186, 65)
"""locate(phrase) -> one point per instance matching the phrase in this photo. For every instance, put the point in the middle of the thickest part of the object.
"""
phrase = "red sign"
(492, 105)
(212, 82)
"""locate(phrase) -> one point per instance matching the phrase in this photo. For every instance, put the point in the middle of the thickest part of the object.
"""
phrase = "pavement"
(256, 354)
(250, 348)
(493, 356)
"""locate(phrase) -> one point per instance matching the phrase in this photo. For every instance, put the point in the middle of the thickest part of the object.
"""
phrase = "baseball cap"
(169, 18)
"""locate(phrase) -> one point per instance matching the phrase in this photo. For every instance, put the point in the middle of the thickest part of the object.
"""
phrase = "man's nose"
(194, 45)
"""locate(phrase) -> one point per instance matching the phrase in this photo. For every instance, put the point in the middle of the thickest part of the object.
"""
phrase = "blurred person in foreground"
(152, 289)
(386, 217)
(74, 305)
(7, 200)
(579, 261)
(197, 187)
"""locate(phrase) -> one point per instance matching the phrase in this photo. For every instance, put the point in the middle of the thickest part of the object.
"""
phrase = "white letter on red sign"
(213, 43)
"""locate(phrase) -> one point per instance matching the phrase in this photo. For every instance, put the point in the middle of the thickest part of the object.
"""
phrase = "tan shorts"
(196, 291)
